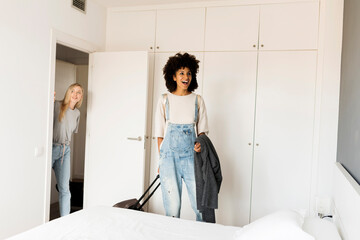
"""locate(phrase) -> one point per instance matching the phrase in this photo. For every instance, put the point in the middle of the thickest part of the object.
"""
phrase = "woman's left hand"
(197, 147)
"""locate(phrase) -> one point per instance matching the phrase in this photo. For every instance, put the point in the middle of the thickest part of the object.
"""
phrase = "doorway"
(72, 67)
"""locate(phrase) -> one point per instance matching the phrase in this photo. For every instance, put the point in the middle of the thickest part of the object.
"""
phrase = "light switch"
(38, 151)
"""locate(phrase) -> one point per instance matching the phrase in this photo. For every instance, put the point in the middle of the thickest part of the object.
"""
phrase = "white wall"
(329, 64)
(65, 75)
(79, 138)
(26, 100)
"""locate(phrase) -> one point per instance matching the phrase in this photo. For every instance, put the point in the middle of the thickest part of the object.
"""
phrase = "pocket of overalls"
(181, 139)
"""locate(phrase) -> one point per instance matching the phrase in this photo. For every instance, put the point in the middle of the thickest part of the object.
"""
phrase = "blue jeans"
(177, 165)
(61, 166)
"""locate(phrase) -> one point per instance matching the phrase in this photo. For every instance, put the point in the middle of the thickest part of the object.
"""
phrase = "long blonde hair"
(66, 101)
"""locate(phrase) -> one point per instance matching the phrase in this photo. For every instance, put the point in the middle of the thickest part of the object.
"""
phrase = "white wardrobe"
(258, 75)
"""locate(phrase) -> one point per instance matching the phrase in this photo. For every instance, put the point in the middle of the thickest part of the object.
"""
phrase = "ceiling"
(129, 3)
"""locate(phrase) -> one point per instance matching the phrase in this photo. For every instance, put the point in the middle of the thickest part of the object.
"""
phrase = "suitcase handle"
(147, 190)
(147, 199)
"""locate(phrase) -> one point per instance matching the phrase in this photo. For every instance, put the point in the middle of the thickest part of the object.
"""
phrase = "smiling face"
(76, 94)
(182, 78)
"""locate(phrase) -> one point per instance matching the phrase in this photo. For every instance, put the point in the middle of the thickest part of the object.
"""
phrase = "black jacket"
(207, 176)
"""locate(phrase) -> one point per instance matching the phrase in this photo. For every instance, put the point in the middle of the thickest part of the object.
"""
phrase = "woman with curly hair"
(180, 118)
(66, 122)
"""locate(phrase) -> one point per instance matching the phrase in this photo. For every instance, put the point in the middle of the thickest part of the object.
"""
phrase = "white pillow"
(321, 229)
(281, 225)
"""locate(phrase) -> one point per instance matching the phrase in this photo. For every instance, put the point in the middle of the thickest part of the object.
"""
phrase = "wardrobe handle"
(262, 45)
(157, 47)
(135, 139)
(151, 47)
(249, 144)
(257, 144)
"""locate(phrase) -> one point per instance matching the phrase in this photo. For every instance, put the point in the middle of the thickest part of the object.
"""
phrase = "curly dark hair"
(177, 62)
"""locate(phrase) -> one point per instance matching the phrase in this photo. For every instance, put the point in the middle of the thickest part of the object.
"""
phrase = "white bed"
(116, 223)
(110, 223)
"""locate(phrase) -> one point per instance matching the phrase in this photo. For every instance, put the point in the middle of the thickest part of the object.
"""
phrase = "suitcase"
(135, 203)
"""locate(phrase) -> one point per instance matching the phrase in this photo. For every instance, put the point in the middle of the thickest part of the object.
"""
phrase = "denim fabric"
(61, 166)
(177, 165)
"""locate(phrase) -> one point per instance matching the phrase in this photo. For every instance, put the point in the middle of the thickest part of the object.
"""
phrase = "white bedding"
(110, 223)
(321, 229)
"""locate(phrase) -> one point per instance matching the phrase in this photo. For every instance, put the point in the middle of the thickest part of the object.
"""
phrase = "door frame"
(56, 37)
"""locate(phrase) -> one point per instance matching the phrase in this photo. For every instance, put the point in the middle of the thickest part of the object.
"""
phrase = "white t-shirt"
(181, 111)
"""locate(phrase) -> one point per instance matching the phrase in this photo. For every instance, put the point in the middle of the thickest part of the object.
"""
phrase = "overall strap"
(197, 106)
(166, 106)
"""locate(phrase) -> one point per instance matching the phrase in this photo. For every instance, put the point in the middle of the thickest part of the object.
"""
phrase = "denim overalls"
(177, 164)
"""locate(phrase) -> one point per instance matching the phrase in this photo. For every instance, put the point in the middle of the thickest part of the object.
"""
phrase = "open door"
(115, 154)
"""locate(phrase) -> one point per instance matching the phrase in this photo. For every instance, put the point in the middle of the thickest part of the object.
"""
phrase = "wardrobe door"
(130, 31)
(156, 203)
(232, 28)
(229, 94)
(180, 30)
(289, 26)
(283, 131)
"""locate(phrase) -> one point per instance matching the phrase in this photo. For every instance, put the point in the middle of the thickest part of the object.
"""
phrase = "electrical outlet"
(323, 205)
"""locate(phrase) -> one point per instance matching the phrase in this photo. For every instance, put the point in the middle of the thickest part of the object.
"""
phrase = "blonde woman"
(66, 122)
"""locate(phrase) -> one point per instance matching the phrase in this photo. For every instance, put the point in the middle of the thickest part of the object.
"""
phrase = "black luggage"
(135, 203)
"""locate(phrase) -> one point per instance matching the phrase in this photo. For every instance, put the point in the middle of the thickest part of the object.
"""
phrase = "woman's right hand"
(160, 139)
(54, 95)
